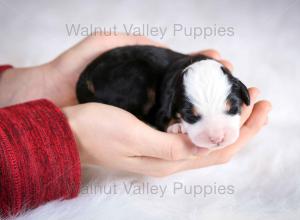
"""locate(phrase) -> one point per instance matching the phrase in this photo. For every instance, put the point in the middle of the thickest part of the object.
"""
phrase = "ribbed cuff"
(39, 160)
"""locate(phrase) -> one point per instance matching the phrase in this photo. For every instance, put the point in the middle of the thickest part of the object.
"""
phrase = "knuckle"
(213, 51)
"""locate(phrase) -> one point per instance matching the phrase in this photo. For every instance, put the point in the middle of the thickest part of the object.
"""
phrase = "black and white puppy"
(173, 92)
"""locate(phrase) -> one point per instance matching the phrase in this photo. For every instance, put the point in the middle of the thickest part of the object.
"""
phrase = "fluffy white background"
(265, 52)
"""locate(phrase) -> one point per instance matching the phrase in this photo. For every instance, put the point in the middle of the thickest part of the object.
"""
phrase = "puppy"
(173, 92)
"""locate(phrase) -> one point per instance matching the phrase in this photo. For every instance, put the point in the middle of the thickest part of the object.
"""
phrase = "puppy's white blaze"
(207, 88)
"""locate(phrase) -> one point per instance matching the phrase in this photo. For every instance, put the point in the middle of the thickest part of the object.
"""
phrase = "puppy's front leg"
(176, 128)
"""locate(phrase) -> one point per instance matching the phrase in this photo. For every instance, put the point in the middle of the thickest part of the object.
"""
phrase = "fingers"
(210, 53)
(246, 110)
(227, 64)
(267, 121)
(141, 40)
(159, 167)
(94, 45)
(258, 116)
(250, 128)
(168, 146)
(215, 55)
(86, 50)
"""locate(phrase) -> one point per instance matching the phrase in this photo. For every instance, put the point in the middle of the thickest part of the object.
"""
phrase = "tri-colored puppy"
(173, 92)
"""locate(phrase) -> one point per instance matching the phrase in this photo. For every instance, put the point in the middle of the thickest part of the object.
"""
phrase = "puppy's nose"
(216, 139)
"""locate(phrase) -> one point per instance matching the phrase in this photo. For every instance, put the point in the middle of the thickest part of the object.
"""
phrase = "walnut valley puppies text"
(159, 31)
(160, 190)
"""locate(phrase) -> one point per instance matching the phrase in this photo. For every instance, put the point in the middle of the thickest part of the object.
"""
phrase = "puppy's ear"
(171, 90)
(242, 89)
(168, 93)
(244, 92)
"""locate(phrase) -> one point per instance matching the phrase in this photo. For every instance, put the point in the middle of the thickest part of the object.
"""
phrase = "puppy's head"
(210, 104)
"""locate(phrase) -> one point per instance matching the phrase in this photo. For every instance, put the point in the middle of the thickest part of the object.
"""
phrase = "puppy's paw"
(176, 128)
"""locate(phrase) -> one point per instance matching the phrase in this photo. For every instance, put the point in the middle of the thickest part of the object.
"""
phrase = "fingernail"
(256, 94)
(269, 108)
(267, 121)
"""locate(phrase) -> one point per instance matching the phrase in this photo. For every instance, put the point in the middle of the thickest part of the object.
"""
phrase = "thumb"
(169, 146)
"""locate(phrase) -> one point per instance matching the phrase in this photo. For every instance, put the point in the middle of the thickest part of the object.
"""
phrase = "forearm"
(13, 83)
(18, 85)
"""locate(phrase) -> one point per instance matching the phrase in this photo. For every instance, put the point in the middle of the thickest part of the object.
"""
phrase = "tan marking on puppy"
(150, 102)
(90, 86)
(227, 105)
(195, 112)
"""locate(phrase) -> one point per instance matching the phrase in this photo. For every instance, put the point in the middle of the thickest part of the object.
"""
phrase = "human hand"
(143, 150)
(57, 79)
(112, 137)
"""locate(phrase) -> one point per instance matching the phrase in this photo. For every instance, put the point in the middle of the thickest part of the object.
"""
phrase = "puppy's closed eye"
(232, 106)
(190, 114)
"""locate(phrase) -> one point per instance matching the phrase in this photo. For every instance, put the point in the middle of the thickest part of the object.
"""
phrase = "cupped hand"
(114, 138)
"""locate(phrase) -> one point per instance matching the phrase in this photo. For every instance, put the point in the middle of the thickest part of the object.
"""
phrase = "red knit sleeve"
(5, 67)
(39, 160)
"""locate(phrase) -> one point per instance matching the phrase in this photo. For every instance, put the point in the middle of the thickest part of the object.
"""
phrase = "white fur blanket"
(261, 182)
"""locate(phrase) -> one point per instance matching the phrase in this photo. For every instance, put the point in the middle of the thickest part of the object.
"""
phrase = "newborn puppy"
(173, 92)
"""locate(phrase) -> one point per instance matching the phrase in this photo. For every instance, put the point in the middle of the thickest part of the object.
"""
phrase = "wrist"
(6, 75)
(72, 116)
(3, 69)
(19, 85)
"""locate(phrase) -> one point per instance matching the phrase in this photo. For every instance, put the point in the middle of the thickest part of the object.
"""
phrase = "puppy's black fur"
(148, 82)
